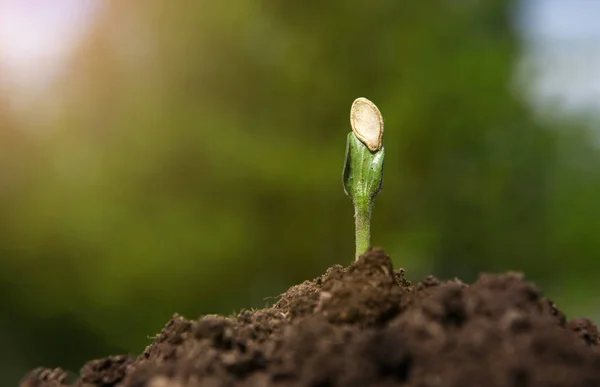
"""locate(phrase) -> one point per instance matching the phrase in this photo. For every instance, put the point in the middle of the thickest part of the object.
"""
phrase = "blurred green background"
(188, 159)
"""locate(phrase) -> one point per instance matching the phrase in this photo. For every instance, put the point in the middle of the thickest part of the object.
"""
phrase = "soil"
(365, 325)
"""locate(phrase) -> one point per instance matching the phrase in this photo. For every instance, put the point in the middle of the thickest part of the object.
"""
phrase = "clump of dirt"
(365, 325)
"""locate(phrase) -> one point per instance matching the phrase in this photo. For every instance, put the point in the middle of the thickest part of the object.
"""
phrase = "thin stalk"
(362, 218)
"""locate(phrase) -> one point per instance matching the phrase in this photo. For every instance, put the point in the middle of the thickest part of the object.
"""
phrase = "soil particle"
(365, 325)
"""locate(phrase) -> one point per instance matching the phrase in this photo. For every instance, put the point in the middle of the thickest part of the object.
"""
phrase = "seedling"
(363, 166)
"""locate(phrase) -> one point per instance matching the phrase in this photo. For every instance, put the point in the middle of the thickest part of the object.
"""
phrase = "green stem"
(362, 217)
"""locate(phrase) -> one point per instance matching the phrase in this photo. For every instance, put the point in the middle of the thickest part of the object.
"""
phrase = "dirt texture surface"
(365, 325)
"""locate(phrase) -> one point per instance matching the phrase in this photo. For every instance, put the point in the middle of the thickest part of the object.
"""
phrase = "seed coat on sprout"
(367, 123)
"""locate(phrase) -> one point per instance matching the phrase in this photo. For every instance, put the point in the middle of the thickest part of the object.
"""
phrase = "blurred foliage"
(189, 161)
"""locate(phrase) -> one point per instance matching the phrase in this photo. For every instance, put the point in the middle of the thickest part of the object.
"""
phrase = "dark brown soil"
(365, 325)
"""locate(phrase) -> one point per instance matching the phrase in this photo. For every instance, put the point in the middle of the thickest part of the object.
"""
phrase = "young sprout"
(363, 167)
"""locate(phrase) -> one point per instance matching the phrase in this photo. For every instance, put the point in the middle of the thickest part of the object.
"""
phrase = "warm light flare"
(36, 36)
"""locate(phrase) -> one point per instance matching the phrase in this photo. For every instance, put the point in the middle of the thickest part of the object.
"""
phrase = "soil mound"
(365, 325)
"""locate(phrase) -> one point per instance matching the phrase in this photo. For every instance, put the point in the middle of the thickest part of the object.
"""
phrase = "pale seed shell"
(367, 123)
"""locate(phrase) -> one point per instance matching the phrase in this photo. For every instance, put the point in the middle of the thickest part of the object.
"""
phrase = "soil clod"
(365, 325)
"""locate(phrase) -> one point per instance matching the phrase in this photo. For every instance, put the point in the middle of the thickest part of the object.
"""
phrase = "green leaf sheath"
(363, 177)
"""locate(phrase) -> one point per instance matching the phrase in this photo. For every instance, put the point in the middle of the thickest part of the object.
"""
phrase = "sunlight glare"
(35, 38)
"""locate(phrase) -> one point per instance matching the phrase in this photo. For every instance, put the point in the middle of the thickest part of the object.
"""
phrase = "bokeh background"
(160, 157)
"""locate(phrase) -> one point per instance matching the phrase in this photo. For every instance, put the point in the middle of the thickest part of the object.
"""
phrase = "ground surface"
(364, 325)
